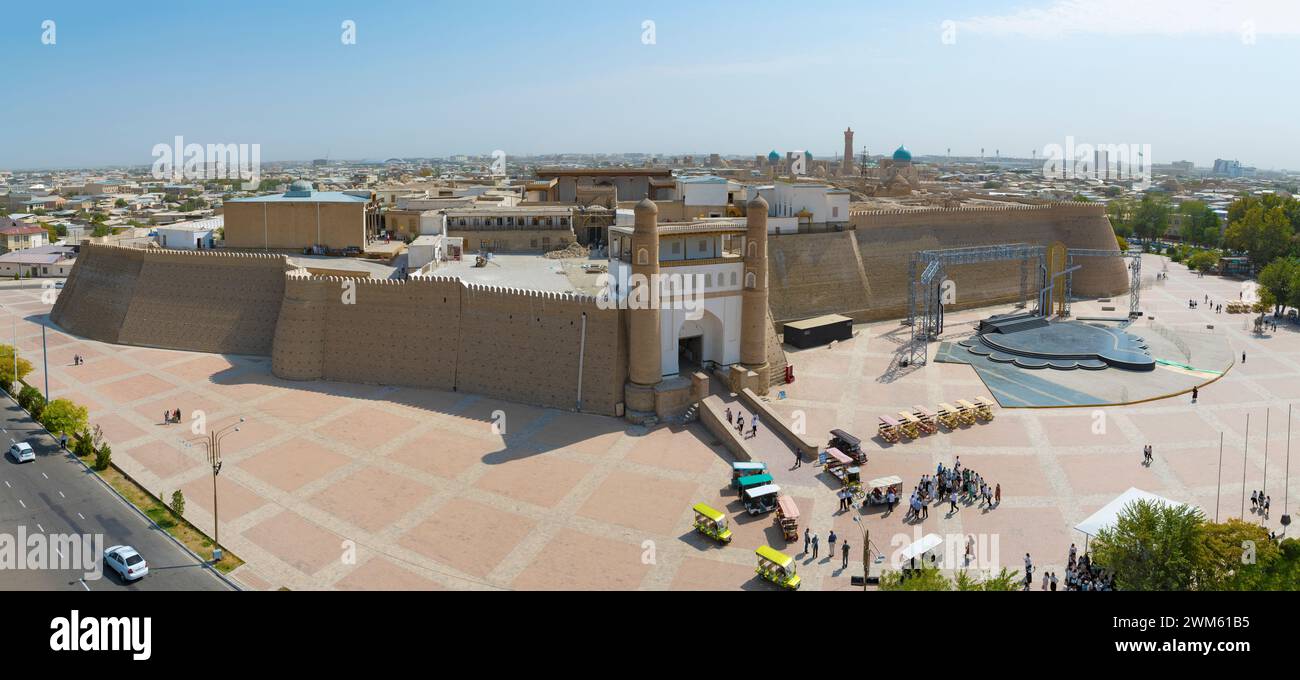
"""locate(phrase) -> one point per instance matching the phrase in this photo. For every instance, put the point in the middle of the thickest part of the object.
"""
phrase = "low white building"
(193, 235)
(815, 206)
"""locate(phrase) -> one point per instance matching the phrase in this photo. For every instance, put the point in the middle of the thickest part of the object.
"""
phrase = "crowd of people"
(1081, 574)
(1259, 503)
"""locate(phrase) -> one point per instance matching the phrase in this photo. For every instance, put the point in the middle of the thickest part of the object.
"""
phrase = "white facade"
(827, 205)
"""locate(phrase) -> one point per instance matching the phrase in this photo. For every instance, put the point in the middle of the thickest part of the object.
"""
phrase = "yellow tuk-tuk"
(711, 523)
(948, 416)
(777, 567)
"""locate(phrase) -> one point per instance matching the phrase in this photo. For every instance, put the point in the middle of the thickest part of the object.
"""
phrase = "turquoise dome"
(773, 157)
(902, 155)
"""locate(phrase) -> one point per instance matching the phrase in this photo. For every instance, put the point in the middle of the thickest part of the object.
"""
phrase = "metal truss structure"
(926, 296)
(1134, 284)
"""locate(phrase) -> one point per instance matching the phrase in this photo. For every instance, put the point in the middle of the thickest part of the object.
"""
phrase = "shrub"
(178, 503)
(30, 399)
(83, 447)
(103, 457)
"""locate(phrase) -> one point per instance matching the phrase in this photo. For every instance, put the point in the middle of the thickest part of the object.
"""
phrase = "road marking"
(40, 528)
(20, 502)
(45, 475)
(81, 516)
(7, 485)
(83, 583)
(61, 495)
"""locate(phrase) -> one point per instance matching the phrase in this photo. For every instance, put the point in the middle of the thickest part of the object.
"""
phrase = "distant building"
(300, 218)
(22, 237)
(39, 261)
(193, 235)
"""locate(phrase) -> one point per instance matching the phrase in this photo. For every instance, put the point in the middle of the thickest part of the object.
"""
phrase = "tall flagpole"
(1245, 454)
(1218, 488)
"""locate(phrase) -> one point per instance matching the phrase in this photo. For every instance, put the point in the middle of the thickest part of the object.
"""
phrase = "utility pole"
(212, 446)
(866, 551)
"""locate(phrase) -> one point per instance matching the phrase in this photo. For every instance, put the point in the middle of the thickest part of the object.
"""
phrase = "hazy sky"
(1195, 79)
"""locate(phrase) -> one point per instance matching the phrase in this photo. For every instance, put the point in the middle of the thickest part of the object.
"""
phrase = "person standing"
(845, 551)
(728, 415)
(814, 546)
(807, 539)
(830, 544)
(997, 494)
(1196, 392)
(798, 459)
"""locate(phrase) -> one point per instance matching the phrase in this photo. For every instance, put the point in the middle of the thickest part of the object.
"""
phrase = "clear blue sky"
(433, 78)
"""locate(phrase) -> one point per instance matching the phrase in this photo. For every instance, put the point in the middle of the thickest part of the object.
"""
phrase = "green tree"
(62, 415)
(1006, 580)
(1151, 219)
(1203, 260)
(7, 365)
(84, 446)
(926, 578)
(120, 203)
(1278, 277)
(1234, 555)
(31, 399)
(1263, 234)
(1152, 546)
(178, 503)
(103, 457)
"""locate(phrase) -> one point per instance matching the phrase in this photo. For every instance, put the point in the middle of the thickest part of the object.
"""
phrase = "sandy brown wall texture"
(438, 332)
(204, 301)
(863, 273)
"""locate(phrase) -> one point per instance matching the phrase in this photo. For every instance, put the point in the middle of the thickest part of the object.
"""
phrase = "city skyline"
(467, 80)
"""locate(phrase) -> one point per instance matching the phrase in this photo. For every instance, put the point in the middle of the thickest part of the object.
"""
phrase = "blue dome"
(773, 157)
(902, 155)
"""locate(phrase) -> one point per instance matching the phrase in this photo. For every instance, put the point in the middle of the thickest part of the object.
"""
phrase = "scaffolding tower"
(926, 296)
(1135, 277)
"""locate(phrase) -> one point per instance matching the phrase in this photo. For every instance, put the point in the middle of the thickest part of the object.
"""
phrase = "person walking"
(1196, 392)
(1243, 357)
(753, 426)
(728, 415)
(798, 459)
(952, 509)
(997, 494)
(740, 424)
(830, 544)
(845, 551)
(1053, 581)
(970, 549)
(814, 546)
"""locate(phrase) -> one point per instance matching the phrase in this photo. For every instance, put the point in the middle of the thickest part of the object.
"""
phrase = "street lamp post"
(866, 550)
(212, 446)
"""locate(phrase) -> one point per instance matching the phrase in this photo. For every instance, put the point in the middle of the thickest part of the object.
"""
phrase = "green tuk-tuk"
(777, 567)
(741, 469)
(711, 523)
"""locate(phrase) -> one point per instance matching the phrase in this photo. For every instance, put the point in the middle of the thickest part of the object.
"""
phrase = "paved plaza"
(341, 486)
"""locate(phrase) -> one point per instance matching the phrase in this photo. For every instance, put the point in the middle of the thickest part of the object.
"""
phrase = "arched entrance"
(699, 343)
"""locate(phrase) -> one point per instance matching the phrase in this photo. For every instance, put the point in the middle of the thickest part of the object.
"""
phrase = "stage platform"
(1094, 363)
(1034, 343)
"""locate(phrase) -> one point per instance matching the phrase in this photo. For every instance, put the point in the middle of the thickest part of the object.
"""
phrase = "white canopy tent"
(1109, 513)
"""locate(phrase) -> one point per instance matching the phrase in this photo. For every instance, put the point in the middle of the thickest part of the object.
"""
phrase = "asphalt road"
(57, 495)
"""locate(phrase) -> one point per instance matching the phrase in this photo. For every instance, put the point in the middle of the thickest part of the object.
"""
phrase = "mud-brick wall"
(95, 299)
(206, 301)
(816, 274)
(203, 301)
(527, 345)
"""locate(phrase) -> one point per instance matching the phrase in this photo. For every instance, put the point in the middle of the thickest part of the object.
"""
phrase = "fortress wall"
(98, 292)
(525, 345)
(206, 301)
(808, 283)
(813, 274)
(439, 333)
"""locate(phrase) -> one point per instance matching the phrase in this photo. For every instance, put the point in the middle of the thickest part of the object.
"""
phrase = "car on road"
(58, 284)
(22, 452)
(124, 560)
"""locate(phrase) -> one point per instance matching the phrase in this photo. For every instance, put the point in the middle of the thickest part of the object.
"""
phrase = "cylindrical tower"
(644, 361)
(753, 311)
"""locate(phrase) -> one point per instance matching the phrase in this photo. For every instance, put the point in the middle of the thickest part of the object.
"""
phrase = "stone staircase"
(776, 360)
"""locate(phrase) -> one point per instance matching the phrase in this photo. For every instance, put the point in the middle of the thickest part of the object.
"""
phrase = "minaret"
(846, 168)
(753, 310)
(645, 368)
